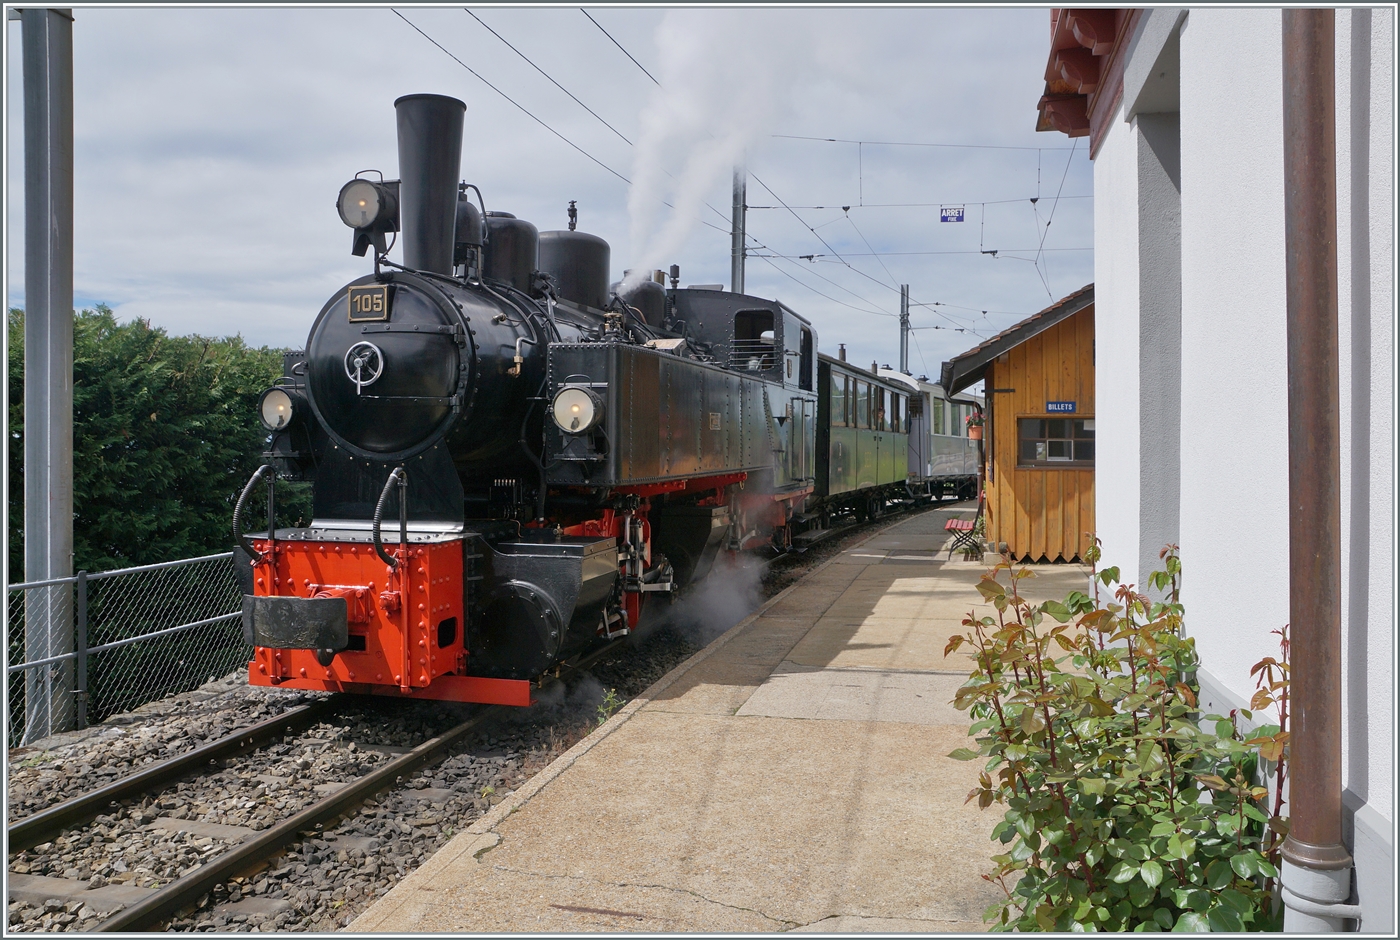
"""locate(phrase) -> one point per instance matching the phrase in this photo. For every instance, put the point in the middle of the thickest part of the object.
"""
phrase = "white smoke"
(730, 593)
(727, 77)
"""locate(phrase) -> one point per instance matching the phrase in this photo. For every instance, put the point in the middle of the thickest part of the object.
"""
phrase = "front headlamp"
(276, 409)
(576, 410)
(368, 206)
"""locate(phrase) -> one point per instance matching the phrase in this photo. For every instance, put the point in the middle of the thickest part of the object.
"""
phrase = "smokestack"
(842, 352)
(430, 163)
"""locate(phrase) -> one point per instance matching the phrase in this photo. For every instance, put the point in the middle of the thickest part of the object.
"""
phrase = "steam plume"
(727, 76)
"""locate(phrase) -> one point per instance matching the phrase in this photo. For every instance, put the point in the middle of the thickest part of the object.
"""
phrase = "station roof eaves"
(969, 367)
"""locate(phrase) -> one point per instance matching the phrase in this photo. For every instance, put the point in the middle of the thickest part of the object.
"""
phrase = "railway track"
(266, 867)
(163, 903)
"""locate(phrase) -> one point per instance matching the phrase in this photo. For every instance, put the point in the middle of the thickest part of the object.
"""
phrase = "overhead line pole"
(904, 328)
(736, 261)
(48, 364)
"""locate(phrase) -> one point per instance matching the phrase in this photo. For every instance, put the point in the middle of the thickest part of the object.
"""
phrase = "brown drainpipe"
(1317, 866)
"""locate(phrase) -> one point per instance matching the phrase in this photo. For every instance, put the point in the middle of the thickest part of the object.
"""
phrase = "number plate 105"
(369, 302)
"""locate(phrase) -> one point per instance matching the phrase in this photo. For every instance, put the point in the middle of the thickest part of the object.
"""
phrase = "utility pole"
(736, 261)
(48, 365)
(904, 328)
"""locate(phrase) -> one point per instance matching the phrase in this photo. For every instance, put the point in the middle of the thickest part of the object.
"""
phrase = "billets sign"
(952, 214)
(1060, 407)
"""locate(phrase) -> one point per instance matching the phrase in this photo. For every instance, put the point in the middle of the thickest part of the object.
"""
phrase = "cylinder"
(578, 262)
(512, 250)
(430, 161)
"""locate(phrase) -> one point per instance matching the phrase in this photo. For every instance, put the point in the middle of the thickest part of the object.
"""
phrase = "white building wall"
(1365, 245)
(1234, 433)
(1116, 477)
(1234, 429)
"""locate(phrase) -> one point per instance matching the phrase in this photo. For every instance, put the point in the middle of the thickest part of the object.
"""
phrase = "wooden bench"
(963, 530)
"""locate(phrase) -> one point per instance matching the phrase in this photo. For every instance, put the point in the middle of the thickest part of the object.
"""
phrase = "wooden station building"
(1038, 440)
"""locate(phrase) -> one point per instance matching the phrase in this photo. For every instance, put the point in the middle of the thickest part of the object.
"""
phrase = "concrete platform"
(790, 776)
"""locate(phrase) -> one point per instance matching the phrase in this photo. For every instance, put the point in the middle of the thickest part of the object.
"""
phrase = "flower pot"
(974, 433)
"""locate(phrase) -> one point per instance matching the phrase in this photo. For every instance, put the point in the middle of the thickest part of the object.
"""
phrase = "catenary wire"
(794, 214)
(905, 143)
(1053, 204)
(619, 45)
(548, 76)
(510, 99)
(532, 116)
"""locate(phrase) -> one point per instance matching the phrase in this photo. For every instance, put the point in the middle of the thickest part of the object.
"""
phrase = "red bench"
(963, 530)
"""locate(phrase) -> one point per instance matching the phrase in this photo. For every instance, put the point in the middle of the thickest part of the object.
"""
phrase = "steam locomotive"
(511, 457)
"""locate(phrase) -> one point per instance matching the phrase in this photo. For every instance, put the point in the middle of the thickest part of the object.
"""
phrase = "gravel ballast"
(327, 880)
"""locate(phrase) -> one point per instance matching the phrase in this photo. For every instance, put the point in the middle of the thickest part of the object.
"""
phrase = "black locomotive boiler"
(508, 454)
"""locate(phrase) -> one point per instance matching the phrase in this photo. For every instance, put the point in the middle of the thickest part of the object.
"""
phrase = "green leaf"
(1191, 923)
(1165, 828)
(1163, 917)
(1123, 871)
(1141, 893)
(1091, 785)
(1218, 874)
(1222, 919)
(1244, 864)
(963, 753)
(1151, 872)
(1236, 900)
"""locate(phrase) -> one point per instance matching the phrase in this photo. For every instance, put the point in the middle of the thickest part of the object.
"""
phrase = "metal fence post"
(80, 693)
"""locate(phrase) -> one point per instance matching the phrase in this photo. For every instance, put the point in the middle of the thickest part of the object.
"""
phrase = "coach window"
(838, 401)
(897, 413)
(862, 404)
(804, 379)
(1055, 442)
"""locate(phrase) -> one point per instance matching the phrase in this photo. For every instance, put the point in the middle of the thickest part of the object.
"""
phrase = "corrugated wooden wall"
(1041, 512)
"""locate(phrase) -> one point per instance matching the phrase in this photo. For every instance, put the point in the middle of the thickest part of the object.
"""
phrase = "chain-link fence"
(84, 648)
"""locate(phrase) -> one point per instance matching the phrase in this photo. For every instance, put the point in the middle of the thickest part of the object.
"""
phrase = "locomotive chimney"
(430, 162)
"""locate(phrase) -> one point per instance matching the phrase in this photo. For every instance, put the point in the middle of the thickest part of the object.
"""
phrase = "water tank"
(512, 249)
(578, 262)
(648, 296)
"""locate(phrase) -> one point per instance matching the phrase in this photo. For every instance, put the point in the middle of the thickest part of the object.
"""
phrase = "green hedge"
(165, 434)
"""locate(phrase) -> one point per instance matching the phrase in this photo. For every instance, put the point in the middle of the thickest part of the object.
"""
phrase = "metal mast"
(736, 262)
(48, 365)
(904, 328)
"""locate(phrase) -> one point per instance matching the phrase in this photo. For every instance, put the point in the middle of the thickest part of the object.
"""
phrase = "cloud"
(210, 144)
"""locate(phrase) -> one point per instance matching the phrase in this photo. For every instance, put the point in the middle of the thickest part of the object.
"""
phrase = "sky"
(210, 145)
